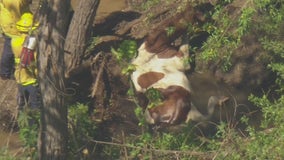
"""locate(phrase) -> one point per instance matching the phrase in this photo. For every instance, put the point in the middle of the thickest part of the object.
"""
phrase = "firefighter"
(10, 13)
(23, 47)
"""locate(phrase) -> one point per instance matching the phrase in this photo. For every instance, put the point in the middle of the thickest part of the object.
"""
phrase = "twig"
(99, 75)
(124, 148)
(207, 155)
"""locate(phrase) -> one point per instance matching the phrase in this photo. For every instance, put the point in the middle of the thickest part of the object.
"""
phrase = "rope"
(60, 92)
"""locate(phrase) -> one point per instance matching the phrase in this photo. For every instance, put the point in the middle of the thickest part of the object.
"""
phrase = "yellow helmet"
(25, 24)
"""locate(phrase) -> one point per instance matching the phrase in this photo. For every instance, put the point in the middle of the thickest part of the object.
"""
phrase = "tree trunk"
(79, 34)
(53, 133)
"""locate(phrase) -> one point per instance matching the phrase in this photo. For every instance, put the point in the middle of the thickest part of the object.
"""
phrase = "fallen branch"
(139, 28)
(99, 75)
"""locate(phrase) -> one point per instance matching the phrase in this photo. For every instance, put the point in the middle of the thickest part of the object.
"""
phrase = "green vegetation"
(126, 51)
(264, 18)
(29, 125)
(154, 96)
(81, 130)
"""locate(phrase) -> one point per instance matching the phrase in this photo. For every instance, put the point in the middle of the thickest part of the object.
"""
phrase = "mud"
(8, 92)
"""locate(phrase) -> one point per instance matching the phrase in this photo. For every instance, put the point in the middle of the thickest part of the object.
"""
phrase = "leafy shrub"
(267, 141)
(125, 52)
(28, 122)
(81, 129)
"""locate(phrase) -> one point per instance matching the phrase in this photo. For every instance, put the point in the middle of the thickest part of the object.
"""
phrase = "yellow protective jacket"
(10, 13)
(23, 75)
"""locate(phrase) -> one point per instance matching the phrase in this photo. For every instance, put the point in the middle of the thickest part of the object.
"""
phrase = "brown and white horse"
(165, 72)
(161, 66)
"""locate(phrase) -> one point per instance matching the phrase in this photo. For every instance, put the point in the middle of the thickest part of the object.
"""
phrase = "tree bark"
(53, 133)
(79, 34)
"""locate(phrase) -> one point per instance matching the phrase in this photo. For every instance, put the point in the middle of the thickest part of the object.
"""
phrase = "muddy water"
(105, 6)
(108, 6)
